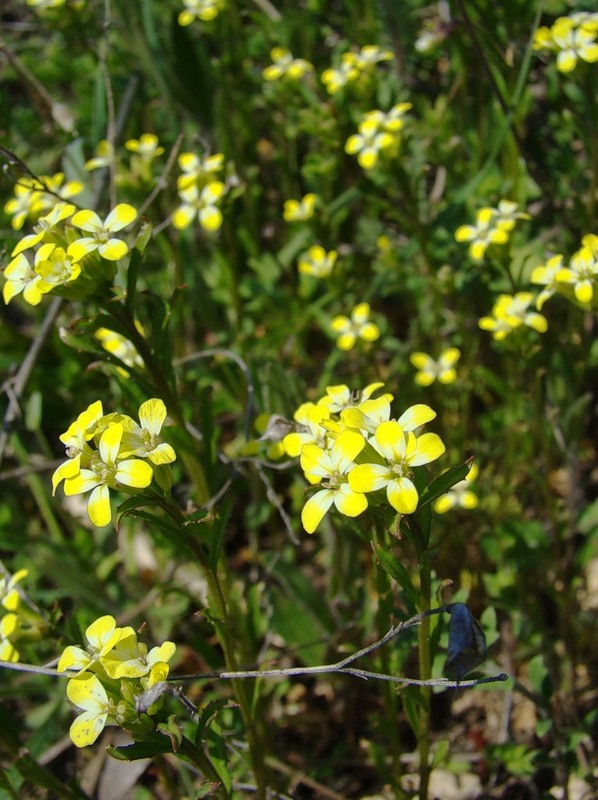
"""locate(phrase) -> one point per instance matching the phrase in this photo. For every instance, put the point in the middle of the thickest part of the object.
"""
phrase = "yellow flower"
(510, 312)
(87, 694)
(369, 143)
(482, 234)
(104, 156)
(205, 10)
(546, 275)
(506, 215)
(399, 452)
(340, 396)
(310, 431)
(55, 184)
(582, 273)
(76, 439)
(317, 262)
(21, 276)
(58, 268)
(44, 226)
(130, 658)
(145, 150)
(392, 121)
(198, 170)
(370, 55)
(42, 5)
(357, 327)
(332, 466)
(102, 635)
(430, 370)
(9, 595)
(299, 210)
(573, 43)
(143, 440)
(336, 79)
(107, 470)
(26, 203)
(353, 65)
(9, 625)
(459, 495)
(146, 146)
(121, 347)
(285, 66)
(201, 204)
(101, 238)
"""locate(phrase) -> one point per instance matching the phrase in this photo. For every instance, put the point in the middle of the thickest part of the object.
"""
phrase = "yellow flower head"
(509, 313)
(430, 370)
(317, 262)
(100, 232)
(349, 330)
(204, 10)
(459, 495)
(399, 451)
(300, 210)
(285, 66)
(200, 204)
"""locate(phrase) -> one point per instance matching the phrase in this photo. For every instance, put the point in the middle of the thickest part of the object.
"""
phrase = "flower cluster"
(493, 226)
(67, 253)
(510, 312)
(356, 453)
(442, 369)
(576, 281)
(204, 10)
(11, 619)
(200, 191)
(285, 66)
(354, 66)
(112, 670)
(113, 451)
(358, 326)
(378, 132)
(572, 38)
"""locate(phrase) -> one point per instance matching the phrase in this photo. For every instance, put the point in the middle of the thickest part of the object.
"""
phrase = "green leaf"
(443, 483)
(393, 567)
(208, 713)
(134, 752)
(40, 776)
(173, 731)
(441, 754)
(207, 788)
(539, 678)
(135, 261)
(217, 531)
(412, 703)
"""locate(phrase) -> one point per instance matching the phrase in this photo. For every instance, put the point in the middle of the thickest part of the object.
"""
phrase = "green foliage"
(216, 320)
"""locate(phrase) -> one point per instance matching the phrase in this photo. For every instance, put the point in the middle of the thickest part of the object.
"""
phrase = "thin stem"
(425, 671)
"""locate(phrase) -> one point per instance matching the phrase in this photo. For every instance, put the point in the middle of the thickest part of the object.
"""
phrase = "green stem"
(196, 755)
(425, 673)
(224, 631)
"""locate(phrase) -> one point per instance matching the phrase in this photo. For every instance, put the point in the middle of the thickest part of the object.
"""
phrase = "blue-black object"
(467, 643)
